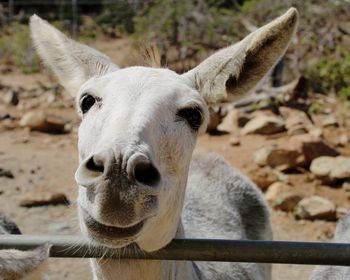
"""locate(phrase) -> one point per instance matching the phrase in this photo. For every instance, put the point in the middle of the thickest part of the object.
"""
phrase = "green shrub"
(330, 74)
(16, 46)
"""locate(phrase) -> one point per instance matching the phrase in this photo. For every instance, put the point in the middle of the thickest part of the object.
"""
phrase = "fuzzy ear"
(71, 62)
(232, 72)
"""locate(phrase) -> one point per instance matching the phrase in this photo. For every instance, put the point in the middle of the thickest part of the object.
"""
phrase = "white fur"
(342, 235)
(135, 118)
(24, 265)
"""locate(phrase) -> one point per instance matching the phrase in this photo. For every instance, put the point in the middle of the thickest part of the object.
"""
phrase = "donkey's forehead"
(139, 80)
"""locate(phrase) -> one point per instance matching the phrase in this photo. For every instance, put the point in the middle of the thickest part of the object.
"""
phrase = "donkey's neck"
(144, 269)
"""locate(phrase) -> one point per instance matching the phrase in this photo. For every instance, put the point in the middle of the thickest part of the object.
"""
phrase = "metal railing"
(193, 249)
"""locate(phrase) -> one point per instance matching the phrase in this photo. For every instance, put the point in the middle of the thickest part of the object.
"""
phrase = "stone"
(6, 173)
(296, 121)
(214, 120)
(11, 98)
(39, 121)
(315, 208)
(287, 201)
(234, 141)
(297, 130)
(341, 212)
(5, 69)
(282, 177)
(7, 117)
(281, 196)
(330, 121)
(60, 227)
(260, 156)
(262, 124)
(228, 123)
(310, 147)
(331, 168)
(242, 119)
(343, 140)
(279, 158)
(262, 177)
(346, 186)
(43, 199)
(275, 190)
(316, 132)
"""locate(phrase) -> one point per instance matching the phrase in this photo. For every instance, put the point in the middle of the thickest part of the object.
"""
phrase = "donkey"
(24, 265)
(138, 131)
(342, 235)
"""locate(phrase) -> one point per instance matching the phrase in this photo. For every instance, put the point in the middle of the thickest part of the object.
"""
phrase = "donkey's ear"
(232, 72)
(71, 62)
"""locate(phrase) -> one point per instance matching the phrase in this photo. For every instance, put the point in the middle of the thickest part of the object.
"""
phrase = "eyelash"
(193, 116)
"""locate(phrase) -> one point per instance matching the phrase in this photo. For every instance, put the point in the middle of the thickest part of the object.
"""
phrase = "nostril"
(94, 165)
(146, 173)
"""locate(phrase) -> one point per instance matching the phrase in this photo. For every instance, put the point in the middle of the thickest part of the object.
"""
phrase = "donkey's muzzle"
(137, 169)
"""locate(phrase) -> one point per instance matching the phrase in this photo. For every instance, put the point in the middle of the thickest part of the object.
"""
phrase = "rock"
(60, 227)
(331, 168)
(346, 186)
(6, 173)
(281, 197)
(214, 120)
(234, 141)
(296, 121)
(341, 168)
(297, 130)
(330, 121)
(5, 69)
(316, 132)
(310, 147)
(43, 199)
(343, 140)
(282, 177)
(262, 177)
(287, 201)
(341, 212)
(275, 190)
(242, 119)
(7, 117)
(229, 122)
(261, 155)
(262, 124)
(41, 122)
(315, 207)
(11, 98)
(279, 158)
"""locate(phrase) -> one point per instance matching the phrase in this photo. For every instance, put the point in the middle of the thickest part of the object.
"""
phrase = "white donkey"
(24, 265)
(342, 235)
(138, 131)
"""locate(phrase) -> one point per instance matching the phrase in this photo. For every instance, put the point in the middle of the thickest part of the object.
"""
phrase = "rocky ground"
(300, 161)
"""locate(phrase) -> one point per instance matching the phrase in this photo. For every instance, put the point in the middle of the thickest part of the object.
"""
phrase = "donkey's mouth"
(110, 232)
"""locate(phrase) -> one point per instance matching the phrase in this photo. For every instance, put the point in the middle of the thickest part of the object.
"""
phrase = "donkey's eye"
(192, 115)
(86, 102)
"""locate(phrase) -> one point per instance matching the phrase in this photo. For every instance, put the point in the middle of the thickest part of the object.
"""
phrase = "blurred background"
(291, 136)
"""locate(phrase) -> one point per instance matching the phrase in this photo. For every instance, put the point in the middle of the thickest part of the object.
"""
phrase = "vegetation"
(188, 30)
(15, 48)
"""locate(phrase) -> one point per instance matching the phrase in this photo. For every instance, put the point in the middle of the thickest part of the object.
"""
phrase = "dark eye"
(87, 101)
(192, 115)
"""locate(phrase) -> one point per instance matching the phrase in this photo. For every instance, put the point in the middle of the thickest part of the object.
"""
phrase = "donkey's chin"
(110, 236)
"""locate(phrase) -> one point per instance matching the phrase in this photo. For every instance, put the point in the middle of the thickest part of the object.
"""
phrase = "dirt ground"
(42, 163)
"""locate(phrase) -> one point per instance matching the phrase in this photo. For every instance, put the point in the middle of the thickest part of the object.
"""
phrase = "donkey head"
(139, 127)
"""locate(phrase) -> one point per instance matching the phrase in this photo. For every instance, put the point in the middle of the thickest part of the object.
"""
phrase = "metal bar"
(193, 249)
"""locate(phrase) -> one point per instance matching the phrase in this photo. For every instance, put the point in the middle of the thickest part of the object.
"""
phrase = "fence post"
(74, 18)
(11, 9)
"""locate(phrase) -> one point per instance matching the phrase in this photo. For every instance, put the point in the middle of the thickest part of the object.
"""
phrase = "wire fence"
(252, 251)
(61, 9)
